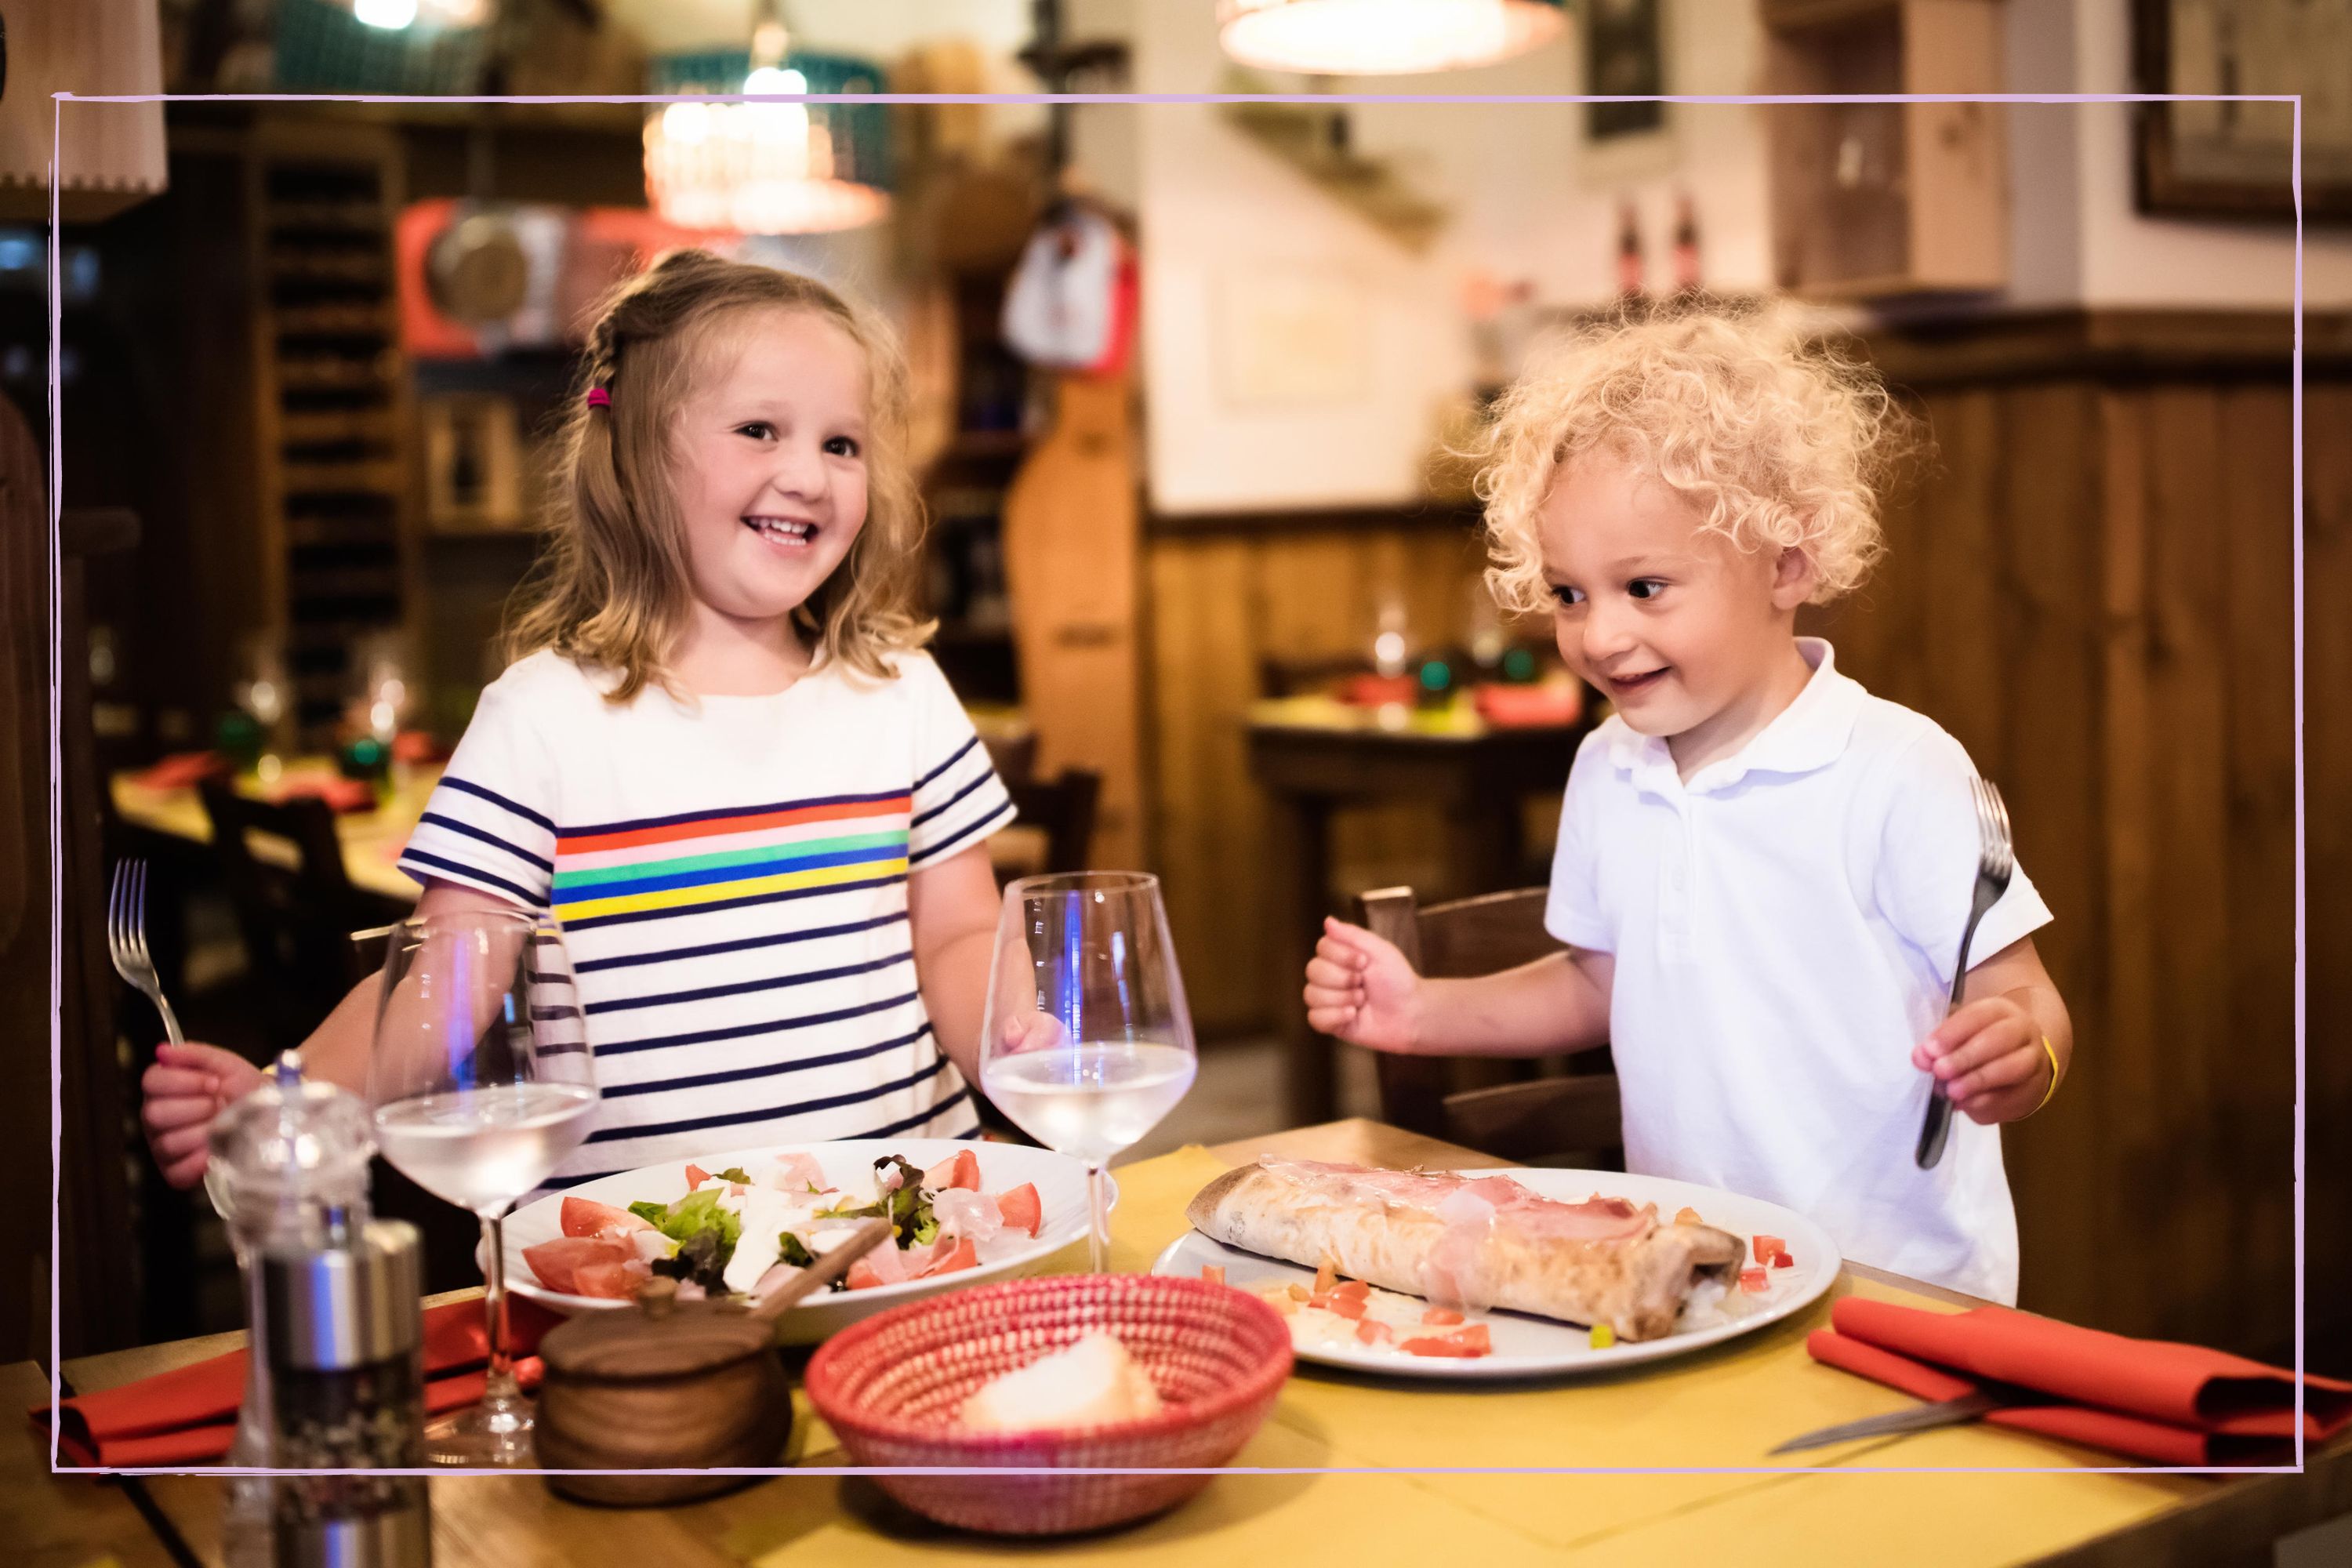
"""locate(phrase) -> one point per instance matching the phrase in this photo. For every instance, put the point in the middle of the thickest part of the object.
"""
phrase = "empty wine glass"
(1085, 1042)
(480, 1084)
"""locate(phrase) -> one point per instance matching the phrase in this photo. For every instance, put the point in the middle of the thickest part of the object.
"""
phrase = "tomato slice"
(586, 1216)
(1346, 1306)
(1352, 1289)
(1021, 1208)
(964, 1255)
(1464, 1344)
(695, 1176)
(1372, 1331)
(1214, 1273)
(1767, 1248)
(1439, 1317)
(1752, 1280)
(561, 1263)
(1781, 1259)
(959, 1170)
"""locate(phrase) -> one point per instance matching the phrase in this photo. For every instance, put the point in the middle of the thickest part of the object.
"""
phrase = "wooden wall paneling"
(2046, 504)
(2191, 1189)
(25, 848)
(1961, 603)
(2256, 523)
(2327, 845)
(2126, 1081)
(1209, 829)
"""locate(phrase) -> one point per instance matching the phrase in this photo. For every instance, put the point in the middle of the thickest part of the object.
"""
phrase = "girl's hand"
(1989, 1058)
(185, 1090)
(1359, 988)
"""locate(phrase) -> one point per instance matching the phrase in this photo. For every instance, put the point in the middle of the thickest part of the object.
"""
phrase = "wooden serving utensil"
(676, 1385)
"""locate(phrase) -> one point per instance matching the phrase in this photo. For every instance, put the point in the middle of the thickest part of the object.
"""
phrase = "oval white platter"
(1526, 1346)
(1061, 1184)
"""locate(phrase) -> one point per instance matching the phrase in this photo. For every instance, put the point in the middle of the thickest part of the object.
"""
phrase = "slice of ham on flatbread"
(1463, 1241)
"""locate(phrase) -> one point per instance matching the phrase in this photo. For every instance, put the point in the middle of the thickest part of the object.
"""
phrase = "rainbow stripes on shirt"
(688, 863)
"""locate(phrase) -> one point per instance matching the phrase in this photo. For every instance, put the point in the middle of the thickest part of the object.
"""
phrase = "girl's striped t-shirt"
(731, 877)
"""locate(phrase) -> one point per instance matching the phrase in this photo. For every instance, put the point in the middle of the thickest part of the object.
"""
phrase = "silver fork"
(1996, 863)
(126, 940)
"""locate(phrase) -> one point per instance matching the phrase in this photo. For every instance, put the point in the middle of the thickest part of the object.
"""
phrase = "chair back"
(1557, 1110)
(1064, 808)
(295, 905)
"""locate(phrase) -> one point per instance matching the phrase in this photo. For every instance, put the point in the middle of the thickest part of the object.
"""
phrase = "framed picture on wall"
(1626, 43)
(2234, 159)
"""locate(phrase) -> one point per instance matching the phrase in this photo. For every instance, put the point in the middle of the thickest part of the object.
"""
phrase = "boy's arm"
(1361, 989)
(1988, 1053)
(952, 907)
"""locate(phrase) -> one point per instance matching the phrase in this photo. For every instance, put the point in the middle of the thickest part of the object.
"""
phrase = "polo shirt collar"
(1811, 733)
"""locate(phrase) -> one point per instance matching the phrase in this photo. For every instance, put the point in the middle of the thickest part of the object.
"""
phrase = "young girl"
(1762, 871)
(755, 807)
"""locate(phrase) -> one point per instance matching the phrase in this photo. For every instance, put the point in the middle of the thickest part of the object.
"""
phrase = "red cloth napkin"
(182, 770)
(187, 1416)
(341, 794)
(1506, 706)
(2148, 1399)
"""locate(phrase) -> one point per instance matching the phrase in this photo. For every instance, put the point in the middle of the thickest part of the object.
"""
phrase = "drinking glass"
(480, 1084)
(1085, 1041)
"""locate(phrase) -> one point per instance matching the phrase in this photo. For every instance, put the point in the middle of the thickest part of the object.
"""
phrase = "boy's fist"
(1359, 988)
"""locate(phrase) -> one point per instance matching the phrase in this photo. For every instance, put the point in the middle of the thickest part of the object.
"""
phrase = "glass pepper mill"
(291, 1160)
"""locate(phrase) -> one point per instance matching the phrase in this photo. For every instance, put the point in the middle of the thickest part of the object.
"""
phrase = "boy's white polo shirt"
(1785, 925)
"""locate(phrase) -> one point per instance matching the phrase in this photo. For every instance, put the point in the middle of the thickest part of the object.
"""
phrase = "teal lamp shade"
(768, 168)
(1383, 38)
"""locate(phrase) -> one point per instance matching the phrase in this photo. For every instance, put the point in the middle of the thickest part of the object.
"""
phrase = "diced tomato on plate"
(586, 1216)
(1753, 1281)
(963, 1255)
(1767, 1248)
(1372, 1331)
(571, 1264)
(1021, 1208)
(695, 1176)
(1464, 1343)
(961, 1169)
(1214, 1273)
(1439, 1317)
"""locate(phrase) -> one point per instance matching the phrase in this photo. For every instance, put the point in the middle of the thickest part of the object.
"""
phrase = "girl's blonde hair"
(610, 589)
(1781, 441)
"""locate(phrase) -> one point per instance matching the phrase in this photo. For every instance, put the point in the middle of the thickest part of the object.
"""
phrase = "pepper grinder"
(345, 1350)
(288, 1154)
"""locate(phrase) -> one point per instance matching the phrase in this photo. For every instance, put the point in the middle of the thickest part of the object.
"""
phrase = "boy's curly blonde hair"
(1779, 441)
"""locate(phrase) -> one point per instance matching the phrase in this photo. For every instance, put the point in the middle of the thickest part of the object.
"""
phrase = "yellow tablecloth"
(1719, 1407)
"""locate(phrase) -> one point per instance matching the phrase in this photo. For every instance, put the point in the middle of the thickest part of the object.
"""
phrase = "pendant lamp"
(1383, 38)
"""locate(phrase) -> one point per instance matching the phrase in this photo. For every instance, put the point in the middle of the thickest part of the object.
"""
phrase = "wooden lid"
(636, 1346)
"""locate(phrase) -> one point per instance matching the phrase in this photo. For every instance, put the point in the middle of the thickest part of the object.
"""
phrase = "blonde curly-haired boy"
(1762, 869)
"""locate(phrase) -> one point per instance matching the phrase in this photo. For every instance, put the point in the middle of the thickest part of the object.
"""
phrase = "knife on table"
(1918, 1418)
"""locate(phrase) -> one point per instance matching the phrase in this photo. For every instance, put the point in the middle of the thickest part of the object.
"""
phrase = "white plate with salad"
(1787, 1263)
(961, 1211)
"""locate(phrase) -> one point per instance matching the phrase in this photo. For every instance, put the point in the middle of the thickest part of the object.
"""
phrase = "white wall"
(1217, 210)
(2079, 239)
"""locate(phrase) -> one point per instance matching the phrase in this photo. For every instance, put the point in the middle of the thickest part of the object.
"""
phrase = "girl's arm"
(1359, 988)
(1988, 1052)
(188, 1085)
(952, 907)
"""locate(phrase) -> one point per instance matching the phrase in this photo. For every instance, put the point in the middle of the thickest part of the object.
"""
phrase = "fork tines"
(1997, 854)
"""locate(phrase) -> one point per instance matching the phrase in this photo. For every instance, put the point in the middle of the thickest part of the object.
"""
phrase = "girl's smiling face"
(1689, 636)
(768, 458)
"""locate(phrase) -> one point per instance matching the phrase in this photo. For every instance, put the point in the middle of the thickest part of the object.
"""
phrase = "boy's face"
(768, 461)
(1685, 631)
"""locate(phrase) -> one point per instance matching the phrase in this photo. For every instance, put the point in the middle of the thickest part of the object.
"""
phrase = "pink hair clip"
(599, 398)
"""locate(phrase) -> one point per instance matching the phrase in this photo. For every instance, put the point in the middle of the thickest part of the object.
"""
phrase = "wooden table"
(1717, 1407)
(370, 840)
(1315, 754)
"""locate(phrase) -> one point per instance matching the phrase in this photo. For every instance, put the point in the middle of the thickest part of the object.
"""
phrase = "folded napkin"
(2148, 1399)
(187, 1416)
(1507, 706)
(183, 770)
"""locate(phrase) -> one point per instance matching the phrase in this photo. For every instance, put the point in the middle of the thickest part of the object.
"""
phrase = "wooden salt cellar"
(694, 1385)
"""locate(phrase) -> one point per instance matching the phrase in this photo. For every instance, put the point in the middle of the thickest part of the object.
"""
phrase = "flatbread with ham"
(1475, 1242)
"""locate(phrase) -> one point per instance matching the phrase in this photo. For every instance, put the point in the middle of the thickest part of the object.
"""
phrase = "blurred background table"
(1315, 755)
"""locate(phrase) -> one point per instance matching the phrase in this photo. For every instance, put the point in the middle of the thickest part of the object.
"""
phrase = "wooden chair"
(1538, 1111)
(1064, 808)
(295, 905)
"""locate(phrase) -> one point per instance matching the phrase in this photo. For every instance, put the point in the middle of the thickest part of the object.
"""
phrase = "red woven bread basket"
(890, 1386)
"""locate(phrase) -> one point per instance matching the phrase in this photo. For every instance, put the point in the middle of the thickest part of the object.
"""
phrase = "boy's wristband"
(2051, 1052)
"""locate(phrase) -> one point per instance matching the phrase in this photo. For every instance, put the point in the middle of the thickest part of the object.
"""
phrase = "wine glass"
(1085, 1041)
(480, 1084)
